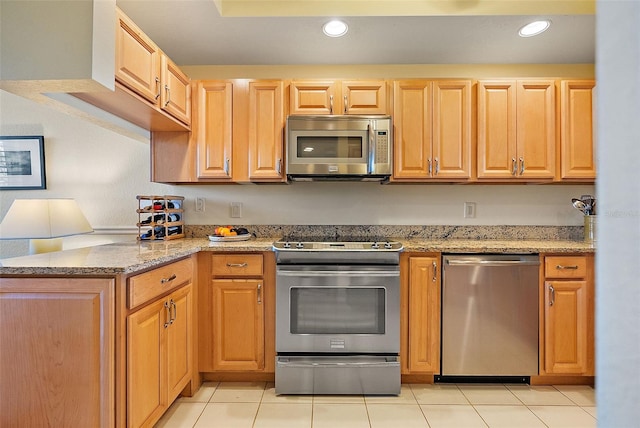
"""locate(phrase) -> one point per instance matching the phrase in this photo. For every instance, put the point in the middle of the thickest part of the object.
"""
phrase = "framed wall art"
(22, 163)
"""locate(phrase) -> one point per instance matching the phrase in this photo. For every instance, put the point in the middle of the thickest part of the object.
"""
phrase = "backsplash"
(404, 232)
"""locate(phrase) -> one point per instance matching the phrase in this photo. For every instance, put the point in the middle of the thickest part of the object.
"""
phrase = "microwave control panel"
(382, 147)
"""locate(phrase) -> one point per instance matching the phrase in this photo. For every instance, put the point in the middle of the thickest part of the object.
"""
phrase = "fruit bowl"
(242, 237)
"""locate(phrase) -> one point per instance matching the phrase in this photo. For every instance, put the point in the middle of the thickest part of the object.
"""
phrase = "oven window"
(337, 310)
(343, 147)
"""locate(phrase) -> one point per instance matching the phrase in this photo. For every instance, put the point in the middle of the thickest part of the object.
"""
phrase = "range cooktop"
(341, 244)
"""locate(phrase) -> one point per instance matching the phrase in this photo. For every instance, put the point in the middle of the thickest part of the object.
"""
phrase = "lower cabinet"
(567, 345)
(159, 344)
(420, 308)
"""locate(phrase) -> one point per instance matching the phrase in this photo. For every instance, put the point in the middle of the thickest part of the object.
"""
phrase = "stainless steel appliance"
(337, 317)
(490, 316)
(339, 148)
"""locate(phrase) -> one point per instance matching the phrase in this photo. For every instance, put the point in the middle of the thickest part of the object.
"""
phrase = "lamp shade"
(42, 219)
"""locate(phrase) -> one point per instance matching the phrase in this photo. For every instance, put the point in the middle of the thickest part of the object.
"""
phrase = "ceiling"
(193, 32)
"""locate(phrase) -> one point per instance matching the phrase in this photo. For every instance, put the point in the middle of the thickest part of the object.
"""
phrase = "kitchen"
(402, 204)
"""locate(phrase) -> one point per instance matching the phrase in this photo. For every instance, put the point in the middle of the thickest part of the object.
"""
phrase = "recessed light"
(534, 28)
(335, 28)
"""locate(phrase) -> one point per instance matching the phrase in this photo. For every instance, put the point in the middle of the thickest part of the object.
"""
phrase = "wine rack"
(160, 217)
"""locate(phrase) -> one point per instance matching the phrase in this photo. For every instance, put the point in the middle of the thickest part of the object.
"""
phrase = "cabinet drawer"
(229, 265)
(565, 267)
(148, 285)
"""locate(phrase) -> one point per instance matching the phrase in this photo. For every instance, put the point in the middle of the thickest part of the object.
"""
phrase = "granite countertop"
(132, 257)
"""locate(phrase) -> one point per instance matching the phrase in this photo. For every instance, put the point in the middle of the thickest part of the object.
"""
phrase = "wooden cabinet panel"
(312, 97)
(236, 265)
(266, 130)
(577, 143)
(238, 331)
(213, 107)
(565, 267)
(412, 124)
(149, 285)
(496, 129)
(536, 131)
(175, 96)
(566, 317)
(364, 97)
(452, 129)
(137, 59)
(57, 352)
(146, 344)
(424, 315)
(179, 341)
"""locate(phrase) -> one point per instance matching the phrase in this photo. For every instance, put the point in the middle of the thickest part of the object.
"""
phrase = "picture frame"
(22, 165)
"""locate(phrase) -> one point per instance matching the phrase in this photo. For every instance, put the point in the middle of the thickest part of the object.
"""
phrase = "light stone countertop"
(129, 258)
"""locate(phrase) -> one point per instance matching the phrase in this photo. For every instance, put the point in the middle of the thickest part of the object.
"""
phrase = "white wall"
(104, 172)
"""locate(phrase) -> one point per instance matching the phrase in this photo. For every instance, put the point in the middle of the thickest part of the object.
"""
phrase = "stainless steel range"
(337, 317)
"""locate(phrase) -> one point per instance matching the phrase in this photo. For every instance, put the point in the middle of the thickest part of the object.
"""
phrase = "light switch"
(469, 210)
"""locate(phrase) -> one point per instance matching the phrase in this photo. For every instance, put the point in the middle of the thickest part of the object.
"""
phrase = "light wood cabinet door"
(266, 130)
(57, 352)
(179, 341)
(577, 143)
(536, 130)
(313, 97)
(412, 124)
(175, 96)
(364, 97)
(566, 327)
(146, 344)
(497, 129)
(424, 315)
(137, 60)
(238, 327)
(452, 129)
(213, 107)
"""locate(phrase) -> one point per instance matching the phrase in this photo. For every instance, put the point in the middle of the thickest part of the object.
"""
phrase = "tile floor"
(244, 404)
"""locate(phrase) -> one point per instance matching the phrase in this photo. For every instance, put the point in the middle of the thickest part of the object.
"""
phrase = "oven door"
(338, 309)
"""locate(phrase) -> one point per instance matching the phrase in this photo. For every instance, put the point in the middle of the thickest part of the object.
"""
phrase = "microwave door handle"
(371, 154)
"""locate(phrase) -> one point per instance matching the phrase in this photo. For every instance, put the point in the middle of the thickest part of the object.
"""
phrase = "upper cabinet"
(577, 144)
(516, 129)
(143, 68)
(338, 97)
(433, 123)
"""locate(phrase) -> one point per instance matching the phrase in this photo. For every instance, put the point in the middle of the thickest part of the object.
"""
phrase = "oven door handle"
(382, 362)
(314, 273)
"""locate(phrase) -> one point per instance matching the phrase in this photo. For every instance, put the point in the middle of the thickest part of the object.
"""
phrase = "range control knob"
(299, 245)
(287, 244)
(387, 245)
(375, 246)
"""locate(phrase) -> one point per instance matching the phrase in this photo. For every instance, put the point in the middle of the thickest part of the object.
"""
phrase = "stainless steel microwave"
(332, 148)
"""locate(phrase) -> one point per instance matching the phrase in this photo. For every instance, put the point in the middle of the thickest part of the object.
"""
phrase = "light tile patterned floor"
(255, 405)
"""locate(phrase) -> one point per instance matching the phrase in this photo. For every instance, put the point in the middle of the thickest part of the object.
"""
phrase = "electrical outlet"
(469, 210)
(200, 205)
(236, 209)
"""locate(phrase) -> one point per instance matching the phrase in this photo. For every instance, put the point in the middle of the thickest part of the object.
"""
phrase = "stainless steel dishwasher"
(490, 316)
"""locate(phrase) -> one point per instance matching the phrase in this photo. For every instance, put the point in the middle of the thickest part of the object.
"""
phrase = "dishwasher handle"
(479, 262)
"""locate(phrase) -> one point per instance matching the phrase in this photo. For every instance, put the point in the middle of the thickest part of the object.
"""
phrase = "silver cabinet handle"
(435, 272)
(437, 166)
(165, 280)
(240, 265)
(330, 104)
(279, 166)
(573, 267)
(552, 295)
(167, 307)
(429, 165)
(226, 166)
(175, 311)
(345, 104)
(159, 87)
(521, 165)
(168, 91)
(514, 166)
(259, 294)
